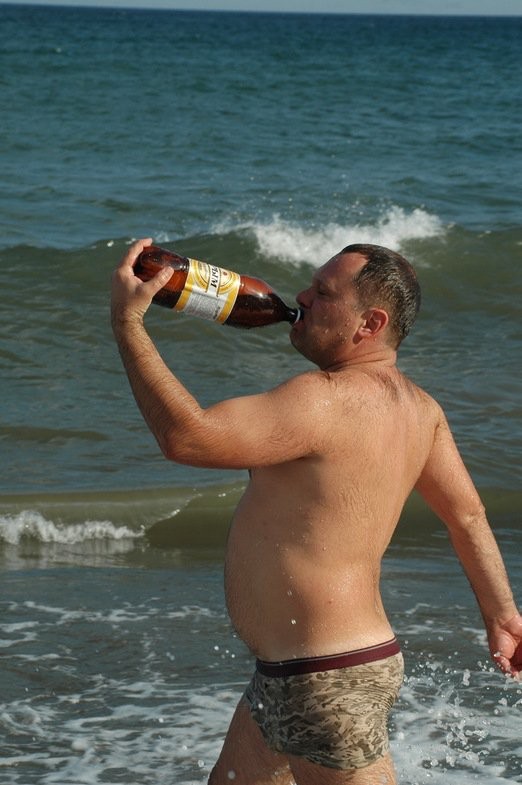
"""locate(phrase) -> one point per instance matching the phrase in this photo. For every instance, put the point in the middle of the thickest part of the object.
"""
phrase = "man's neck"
(382, 357)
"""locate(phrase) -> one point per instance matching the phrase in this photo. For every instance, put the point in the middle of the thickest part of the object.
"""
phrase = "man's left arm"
(447, 487)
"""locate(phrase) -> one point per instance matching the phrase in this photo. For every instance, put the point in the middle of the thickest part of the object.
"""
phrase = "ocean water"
(263, 143)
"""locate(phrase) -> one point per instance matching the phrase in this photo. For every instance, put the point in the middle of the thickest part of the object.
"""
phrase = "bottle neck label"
(209, 292)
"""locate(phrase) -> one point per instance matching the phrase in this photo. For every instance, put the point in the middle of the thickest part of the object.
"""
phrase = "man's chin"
(299, 344)
(295, 338)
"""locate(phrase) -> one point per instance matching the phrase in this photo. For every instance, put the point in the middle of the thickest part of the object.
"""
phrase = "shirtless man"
(333, 455)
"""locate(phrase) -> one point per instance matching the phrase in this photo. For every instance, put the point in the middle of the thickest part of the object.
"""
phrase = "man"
(333, 455)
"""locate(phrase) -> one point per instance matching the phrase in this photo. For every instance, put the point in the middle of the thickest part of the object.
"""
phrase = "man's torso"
(306, 543)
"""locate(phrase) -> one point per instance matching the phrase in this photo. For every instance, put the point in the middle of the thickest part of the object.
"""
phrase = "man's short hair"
(387, 281)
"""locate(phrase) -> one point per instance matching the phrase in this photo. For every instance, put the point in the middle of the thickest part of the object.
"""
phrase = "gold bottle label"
(209, 292)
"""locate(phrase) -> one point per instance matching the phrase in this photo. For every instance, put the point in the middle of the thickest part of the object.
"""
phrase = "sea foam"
(30, 524)
(296, 244)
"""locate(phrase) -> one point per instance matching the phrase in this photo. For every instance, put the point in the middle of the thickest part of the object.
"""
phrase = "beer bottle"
(210, 292)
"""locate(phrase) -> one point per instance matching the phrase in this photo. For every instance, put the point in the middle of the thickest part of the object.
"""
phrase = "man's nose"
(303, 298)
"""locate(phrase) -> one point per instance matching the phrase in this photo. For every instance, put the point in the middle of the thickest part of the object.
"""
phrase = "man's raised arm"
(279, 425)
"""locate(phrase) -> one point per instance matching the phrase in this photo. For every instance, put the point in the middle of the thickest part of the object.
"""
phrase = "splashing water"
(295, 244)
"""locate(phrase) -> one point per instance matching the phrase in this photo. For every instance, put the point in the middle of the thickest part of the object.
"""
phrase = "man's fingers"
(155, 283)
(507, 666)
(134, 251)
(159, 280)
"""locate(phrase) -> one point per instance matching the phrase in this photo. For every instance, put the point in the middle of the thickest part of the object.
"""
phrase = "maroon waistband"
(329, 662)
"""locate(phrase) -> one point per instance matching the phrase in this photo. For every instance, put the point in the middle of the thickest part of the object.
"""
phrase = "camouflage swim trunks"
(333, 711)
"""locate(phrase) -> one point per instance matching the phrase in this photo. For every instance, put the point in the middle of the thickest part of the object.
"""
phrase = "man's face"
(331, 312)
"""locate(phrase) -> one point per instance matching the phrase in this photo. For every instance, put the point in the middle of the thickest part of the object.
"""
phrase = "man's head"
(389, 282)
(361, 302)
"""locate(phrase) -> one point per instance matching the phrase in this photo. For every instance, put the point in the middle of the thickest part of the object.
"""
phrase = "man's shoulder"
(428, 408)
(302, 389)
(425, 396)
(312, 378)
(357, 384)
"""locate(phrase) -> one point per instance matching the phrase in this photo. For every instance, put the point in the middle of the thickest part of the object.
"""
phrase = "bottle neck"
(295, 314)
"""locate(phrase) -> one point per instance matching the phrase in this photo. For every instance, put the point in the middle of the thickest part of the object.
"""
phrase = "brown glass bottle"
(211, 292)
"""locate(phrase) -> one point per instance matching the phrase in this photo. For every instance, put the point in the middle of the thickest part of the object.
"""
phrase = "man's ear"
(374, 322)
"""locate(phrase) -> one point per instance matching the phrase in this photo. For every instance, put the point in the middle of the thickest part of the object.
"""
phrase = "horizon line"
(126, 7)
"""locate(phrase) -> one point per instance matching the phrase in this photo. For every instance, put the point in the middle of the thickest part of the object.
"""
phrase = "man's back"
(306, 543)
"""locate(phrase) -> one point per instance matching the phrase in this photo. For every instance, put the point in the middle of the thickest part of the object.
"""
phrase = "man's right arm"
(448, 489)
(282, 424)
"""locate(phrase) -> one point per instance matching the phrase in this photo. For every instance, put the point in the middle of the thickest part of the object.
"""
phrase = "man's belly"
(287, 602)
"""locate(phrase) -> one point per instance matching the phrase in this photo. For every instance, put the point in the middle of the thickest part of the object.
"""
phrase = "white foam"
(295, 243)
(156, 729)
(181, 737)
(31, 524)
(442, 731)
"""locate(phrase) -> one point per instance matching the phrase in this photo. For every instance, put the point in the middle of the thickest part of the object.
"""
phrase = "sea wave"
(193, 518)
(234, 241)
(297, 243)
(30, 524)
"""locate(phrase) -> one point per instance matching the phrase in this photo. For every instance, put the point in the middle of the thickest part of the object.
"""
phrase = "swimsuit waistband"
(329, 662)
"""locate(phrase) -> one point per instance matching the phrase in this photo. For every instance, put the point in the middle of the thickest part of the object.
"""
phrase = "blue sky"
(478, 7)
